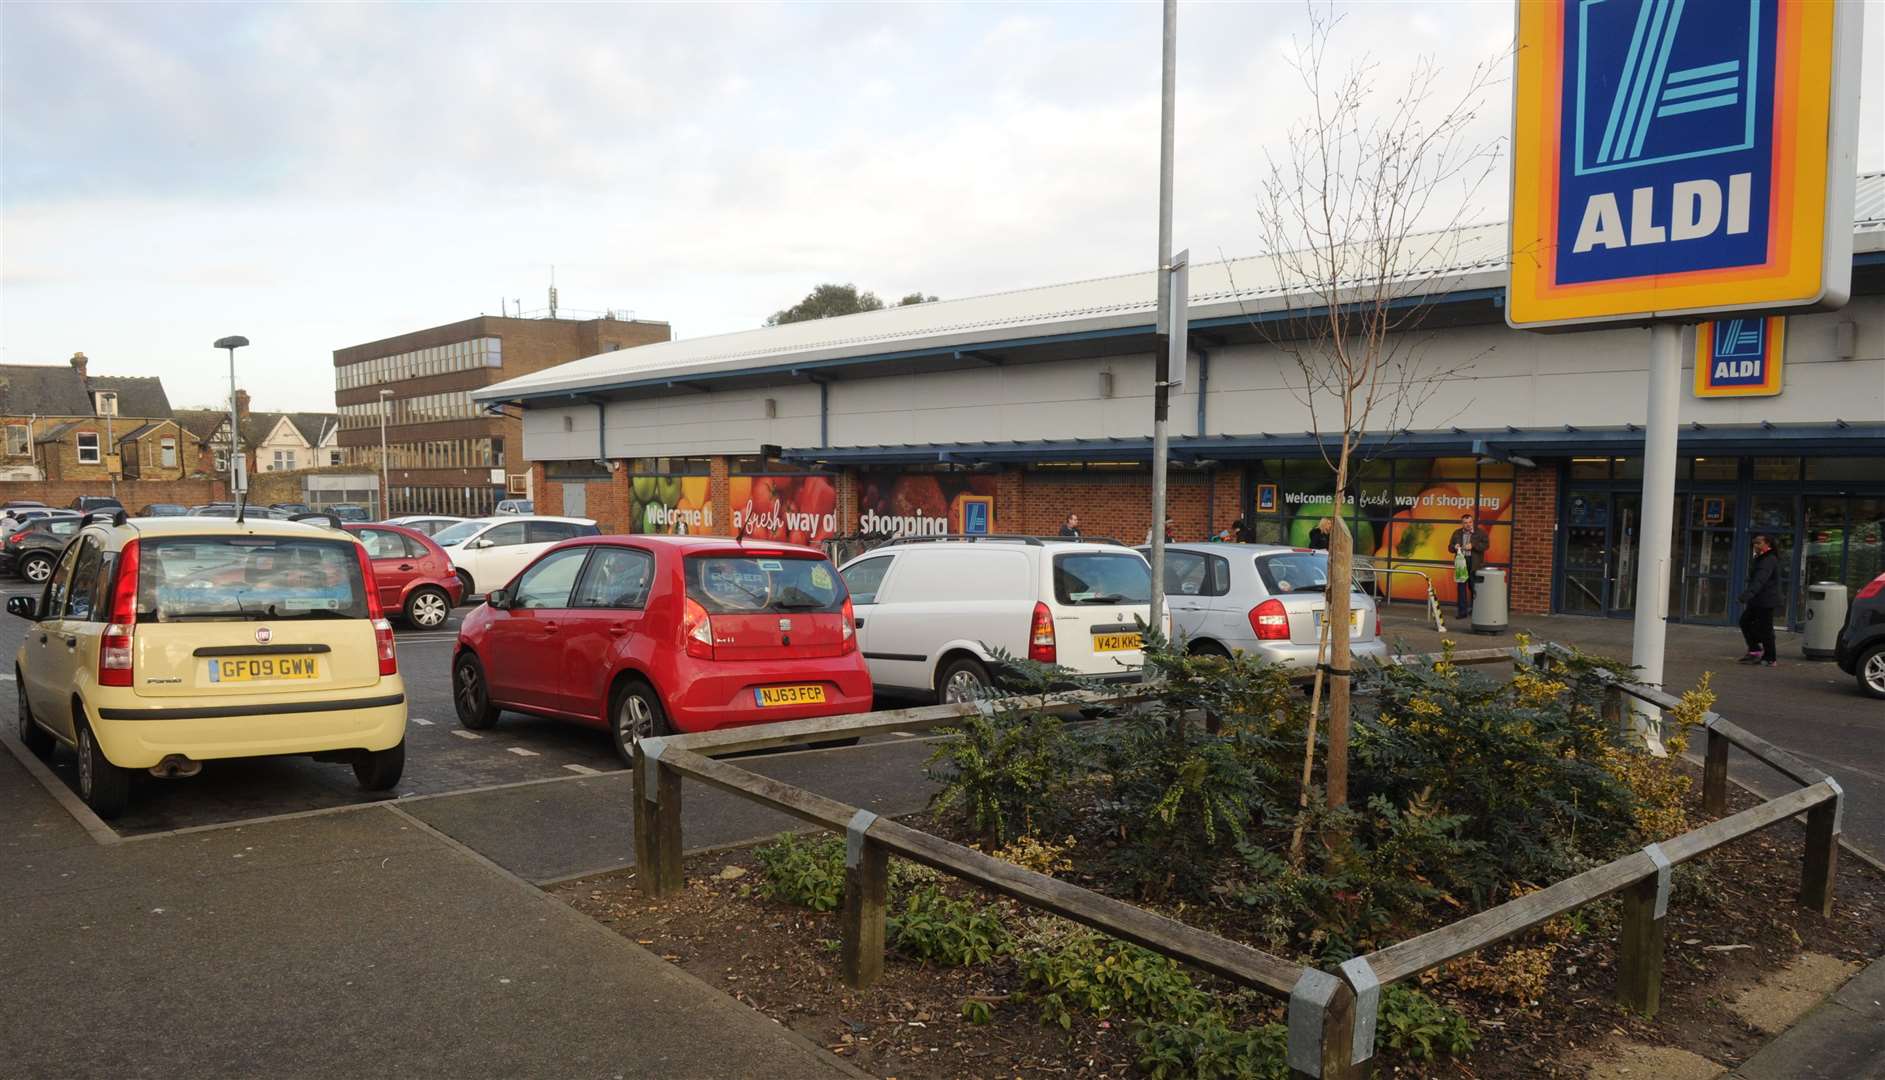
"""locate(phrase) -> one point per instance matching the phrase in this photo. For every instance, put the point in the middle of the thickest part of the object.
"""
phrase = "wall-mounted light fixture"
(1846, 340)
(1106, 384)
(772, 408)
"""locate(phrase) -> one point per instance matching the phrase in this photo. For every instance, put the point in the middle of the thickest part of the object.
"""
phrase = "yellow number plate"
(1116, 642)
(768, 696)
(259, 668)
(1354, 619)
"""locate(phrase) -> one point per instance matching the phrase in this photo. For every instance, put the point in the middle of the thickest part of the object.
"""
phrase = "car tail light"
(17, 538)
(1872, 588)
(1270, 621)
(697, 629)
(383, 643)
(1041, 638)
(848, 643)
(114, 650)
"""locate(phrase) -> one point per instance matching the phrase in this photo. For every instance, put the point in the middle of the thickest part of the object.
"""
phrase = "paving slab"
(352, 944)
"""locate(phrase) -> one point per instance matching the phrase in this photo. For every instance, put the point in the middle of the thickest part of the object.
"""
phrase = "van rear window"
(1102, 578)
(752, 584)
(237, 578)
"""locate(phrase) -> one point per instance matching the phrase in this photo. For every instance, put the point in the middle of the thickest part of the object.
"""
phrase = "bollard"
(1616, 715)
(1640, 940)
(1823, 825)
(657, 821)
(866, 893)
(1322, 1030)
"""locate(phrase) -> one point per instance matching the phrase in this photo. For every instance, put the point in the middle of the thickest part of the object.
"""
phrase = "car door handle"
(71, 643)
(549, 627)
(43, 639)
(619, 629)
(857, 624)
(405, 566)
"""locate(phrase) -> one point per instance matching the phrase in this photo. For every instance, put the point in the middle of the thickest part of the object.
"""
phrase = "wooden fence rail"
(1331, 1015)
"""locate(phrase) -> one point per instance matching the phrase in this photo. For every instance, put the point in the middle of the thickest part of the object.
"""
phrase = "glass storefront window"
(1590, 468)
(1865, 541)
(1628, 468)
(1861, 469)
(1714, 468)
(1776, 468)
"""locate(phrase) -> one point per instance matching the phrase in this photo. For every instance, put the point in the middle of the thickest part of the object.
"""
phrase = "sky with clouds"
(314, 176)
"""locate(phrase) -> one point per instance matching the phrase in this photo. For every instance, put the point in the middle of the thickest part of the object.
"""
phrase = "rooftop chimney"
(78, 363)
(242, 403)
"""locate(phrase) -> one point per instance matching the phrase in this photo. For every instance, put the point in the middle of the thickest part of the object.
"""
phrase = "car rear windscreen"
(221, 578)
(1098, 577)
(753, 584)
(1295, 571)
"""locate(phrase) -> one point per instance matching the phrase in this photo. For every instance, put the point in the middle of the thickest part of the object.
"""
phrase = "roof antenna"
(552, 292)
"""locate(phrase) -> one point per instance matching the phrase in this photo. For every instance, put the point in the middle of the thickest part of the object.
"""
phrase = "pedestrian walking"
(1319, 536)
(1468, 546)
(1071, 527)
(1168, 532)
(1759, 601)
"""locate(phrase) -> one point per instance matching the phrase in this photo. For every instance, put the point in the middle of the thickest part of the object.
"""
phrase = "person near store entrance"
(1319, 536)
(1168, 533)
(1237, 532)
(1071, 528)
(1468, 546)
(1759, 601)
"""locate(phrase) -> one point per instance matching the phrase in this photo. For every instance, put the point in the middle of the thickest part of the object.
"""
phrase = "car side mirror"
(481, 542)
(497, 598)
(26, 607)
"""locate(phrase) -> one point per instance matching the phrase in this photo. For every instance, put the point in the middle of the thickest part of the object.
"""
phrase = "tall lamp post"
(232, 343)
(386, 494)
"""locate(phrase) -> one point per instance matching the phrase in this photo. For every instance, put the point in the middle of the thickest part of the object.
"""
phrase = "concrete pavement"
(357, 942)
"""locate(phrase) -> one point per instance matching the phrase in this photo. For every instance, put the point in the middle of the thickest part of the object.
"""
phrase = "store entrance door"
(1706, 581)
(1600, 549)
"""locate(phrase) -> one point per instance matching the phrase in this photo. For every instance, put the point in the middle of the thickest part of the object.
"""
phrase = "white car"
(1261, 599)
(489, 552)
(931, 611)
(429, 524)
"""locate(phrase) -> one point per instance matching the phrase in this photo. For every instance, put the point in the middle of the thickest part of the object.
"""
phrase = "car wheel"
(105, 787)
(471, 694)
(36, 568)
(428, 608)
(379, 770)
(1870, 671)
(36, 738)
(1208, 648)
(636, 715)
(962, 679)
(465, 585)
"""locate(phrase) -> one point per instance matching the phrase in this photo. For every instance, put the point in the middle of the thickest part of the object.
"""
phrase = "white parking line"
(416, 720)
(521, 752)
(6, 678)
(463, 734)
(582, 770)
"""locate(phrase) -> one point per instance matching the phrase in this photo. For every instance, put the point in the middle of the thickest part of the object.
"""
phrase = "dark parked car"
(32, 552)
(87, 503)
(1860, 649)
(20, 504)
(415, 576)
(164, 510)
(228, 510)
(292, 508)
(350, 512)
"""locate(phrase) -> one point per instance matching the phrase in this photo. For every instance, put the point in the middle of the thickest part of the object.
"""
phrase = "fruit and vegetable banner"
(925, 504)
(1404, 513)
(669, 504)
(799, 508)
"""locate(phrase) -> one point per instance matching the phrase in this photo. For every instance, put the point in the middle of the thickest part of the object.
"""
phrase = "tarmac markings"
(463, 734)
(582, 770)
(422, 723)
(521, 752)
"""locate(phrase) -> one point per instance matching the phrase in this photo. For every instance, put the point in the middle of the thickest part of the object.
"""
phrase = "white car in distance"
(489, 552)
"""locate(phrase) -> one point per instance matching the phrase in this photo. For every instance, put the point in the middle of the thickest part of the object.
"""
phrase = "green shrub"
(1077, 969)
(1005, 772)
(934, 928)
(805, 872)
(1414, 1024)
(1209, 1048)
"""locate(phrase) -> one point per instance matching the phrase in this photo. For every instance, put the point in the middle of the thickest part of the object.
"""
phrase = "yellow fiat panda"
(162, 643)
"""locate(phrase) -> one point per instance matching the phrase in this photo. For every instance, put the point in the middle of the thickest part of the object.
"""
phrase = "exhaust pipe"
(176, 766)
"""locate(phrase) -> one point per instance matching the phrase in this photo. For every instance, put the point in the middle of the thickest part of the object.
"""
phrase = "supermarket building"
(1007, 412)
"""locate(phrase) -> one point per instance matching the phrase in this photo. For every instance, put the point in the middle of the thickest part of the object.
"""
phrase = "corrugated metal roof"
(1450, 261)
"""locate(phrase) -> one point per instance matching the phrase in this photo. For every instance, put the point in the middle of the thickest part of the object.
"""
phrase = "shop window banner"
(669, 504)
(798, 508)
(925, 504)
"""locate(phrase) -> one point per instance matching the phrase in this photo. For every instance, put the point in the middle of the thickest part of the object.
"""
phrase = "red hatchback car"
(415, 576)
(652, 635)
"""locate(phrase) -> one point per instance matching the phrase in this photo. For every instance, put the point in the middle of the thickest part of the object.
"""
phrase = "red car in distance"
(415, 577)
(654, 635)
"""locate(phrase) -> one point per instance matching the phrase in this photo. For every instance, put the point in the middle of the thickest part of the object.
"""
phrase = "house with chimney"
(271, 441)
(62, 423)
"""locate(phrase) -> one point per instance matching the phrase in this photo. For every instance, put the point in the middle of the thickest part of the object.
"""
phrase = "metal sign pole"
(1161, 365)
(1654, 543)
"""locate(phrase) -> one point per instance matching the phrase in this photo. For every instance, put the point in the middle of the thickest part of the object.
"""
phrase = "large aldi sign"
(1681, 157)
(1740, 357)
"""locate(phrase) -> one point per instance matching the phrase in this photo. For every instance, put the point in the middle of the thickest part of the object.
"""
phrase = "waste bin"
(1489, 602)
(1825, 614)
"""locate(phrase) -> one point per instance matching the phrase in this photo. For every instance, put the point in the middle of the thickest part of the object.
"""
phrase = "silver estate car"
(1265, 600)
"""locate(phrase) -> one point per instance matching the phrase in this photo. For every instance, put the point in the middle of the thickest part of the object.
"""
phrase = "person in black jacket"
(1759, 601)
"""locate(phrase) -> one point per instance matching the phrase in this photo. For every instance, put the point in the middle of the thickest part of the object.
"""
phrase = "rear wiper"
(313, 613)
(797, 605)
(1106, 598)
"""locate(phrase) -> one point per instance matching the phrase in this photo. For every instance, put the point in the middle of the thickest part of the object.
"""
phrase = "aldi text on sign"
(1680, 157)
(1740, 357)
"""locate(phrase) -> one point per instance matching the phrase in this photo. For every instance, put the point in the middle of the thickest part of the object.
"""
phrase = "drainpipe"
(824, 412)
(1204, 385)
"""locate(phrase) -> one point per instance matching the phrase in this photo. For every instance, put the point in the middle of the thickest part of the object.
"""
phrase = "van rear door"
(1101, 602)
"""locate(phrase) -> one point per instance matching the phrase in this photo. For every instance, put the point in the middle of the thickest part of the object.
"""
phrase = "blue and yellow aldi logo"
(1671, 157)
(1740, 357)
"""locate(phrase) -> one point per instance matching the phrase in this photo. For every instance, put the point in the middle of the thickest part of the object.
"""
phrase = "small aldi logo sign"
(1739, 357)
(1671, 157)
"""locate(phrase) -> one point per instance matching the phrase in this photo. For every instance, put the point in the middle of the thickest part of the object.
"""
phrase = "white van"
(931, 611)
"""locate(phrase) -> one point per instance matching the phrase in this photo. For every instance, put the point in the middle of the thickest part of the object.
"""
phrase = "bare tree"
(1361, 213)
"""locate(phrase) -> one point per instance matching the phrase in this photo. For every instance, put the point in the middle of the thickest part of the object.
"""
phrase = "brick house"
(271, 441)
(63, 424)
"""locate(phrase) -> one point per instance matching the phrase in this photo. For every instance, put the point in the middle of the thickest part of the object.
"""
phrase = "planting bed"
(1732, 920)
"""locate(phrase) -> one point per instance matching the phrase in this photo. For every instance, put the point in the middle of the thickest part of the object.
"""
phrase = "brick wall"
(547, 496)
(720, 494)
(1118, 505)
(132, 493)
(1534, 539)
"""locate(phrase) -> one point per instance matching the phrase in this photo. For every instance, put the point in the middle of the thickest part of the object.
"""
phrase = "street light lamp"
(232, 343)
(386, 494)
